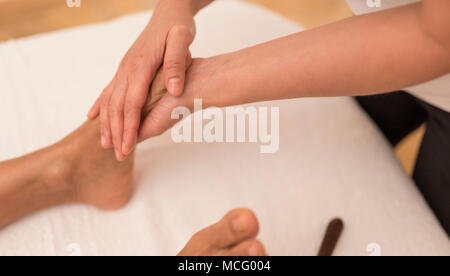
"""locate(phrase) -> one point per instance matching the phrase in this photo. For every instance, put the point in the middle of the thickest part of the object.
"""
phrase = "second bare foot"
(234, 235)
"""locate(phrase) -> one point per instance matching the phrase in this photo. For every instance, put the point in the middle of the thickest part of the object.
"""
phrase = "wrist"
(213, 80)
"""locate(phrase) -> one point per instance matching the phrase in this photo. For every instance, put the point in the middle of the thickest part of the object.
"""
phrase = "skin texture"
(164, 42)
(363, 55)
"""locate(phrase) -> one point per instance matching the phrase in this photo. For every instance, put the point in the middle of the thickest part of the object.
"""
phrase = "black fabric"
(432, 172)
(397, 114)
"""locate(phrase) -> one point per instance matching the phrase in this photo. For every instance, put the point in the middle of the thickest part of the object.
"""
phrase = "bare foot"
(93, 174)
(76, 169)
(234, 235)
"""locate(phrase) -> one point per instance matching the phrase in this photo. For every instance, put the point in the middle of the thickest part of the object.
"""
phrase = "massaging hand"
(158, 108)
(206, 79)
(164, 42)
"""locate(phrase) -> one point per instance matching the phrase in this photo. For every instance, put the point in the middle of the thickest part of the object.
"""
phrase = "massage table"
(332, 161)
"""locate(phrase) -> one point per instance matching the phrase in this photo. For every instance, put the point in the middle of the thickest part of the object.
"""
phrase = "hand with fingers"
(206, 78)
(163, 43)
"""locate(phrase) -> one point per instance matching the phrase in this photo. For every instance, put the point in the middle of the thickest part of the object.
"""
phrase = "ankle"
(56, 178)
(89, 173)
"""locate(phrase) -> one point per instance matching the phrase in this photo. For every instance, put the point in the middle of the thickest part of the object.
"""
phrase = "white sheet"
(332, 161)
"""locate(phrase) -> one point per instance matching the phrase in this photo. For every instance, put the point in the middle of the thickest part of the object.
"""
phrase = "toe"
(237, 226)
(246, 248)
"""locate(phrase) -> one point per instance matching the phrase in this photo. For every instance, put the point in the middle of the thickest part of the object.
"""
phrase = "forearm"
(368, 54)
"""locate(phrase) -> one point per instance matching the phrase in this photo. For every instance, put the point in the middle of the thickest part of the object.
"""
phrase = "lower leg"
(26, 185)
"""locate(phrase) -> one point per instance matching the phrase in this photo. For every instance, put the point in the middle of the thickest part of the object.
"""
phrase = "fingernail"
(125, 144)
(174, 86)
(239, 225)
(118, 155)
(105, 137)
(125, 148)
(103, 141)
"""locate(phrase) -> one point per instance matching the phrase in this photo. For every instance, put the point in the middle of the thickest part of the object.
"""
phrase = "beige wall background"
(21, 18)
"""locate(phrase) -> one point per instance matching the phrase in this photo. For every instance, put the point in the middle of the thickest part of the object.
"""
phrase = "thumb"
(175, 59)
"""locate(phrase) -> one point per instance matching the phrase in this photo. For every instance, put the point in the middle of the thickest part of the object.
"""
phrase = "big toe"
(237, 227)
